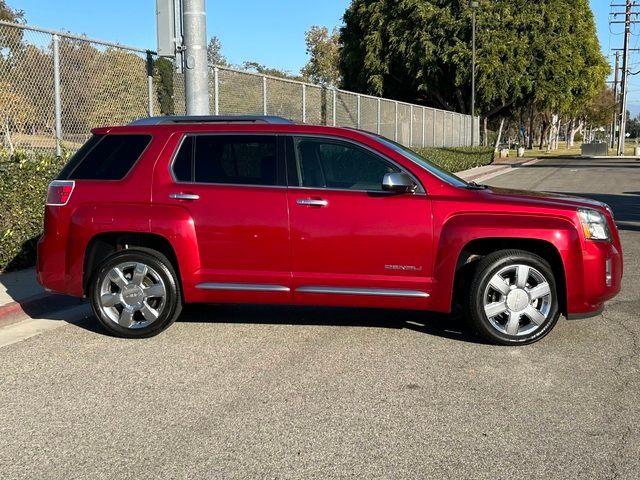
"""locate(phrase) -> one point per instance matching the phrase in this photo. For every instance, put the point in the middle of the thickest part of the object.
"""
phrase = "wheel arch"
(475, 249)
(102, 245)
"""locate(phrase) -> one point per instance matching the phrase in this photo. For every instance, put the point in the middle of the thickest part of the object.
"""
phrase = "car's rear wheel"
(135, 293)
(513, 298)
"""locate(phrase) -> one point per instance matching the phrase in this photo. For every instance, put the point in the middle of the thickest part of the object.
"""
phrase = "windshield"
(439, 172)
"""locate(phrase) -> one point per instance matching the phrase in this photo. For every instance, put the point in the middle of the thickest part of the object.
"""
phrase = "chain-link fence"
(55, 87)
(233, 91)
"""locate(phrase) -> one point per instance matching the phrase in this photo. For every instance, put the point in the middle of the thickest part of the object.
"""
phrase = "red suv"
(174, 210)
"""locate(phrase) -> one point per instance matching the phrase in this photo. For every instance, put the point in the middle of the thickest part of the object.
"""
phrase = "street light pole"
(474, 5)
(196, 70)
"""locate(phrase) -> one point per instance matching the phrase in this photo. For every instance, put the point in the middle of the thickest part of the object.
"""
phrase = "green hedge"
(456, 159)
(23, 187)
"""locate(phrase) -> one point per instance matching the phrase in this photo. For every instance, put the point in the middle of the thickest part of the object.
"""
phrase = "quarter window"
(105, 157)
(228, 159)
(332, 164)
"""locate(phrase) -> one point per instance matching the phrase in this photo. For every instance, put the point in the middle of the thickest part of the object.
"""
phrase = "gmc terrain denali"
(173, 210)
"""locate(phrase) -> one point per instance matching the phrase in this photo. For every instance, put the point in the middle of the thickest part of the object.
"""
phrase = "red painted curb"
(36, 305)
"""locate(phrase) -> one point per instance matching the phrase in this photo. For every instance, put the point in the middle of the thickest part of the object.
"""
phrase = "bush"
(23, 188)
(456, 159)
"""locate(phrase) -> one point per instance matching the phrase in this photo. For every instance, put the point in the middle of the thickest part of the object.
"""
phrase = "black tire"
(519, 314)
(154, 313)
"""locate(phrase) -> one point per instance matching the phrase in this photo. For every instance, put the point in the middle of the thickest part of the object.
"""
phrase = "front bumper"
(594, 275)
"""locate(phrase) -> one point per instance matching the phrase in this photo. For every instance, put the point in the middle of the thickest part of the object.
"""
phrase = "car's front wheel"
(135, 293)
(513, 298)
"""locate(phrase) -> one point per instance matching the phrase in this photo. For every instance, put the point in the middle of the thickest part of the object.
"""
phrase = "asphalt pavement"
(271, 392)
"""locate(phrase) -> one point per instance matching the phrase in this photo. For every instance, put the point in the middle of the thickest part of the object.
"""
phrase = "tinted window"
(439, 172)
(182, 166)
(107, 157)
(77, 157)
(330, 164)
(229, 159)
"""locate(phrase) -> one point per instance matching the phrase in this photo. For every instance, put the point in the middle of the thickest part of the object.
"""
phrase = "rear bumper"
(50, 267)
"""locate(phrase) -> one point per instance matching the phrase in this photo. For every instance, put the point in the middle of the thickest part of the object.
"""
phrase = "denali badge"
(412, 268)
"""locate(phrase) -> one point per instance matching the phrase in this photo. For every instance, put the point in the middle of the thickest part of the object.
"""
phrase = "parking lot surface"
(270, 392)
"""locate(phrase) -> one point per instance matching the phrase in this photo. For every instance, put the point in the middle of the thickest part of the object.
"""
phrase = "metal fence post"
(378, 119)
(358, 101)
(444, 130)
(395, 132)
(304, 103)
(264, 95)
(411, 125)
(56, 94)
(433, 116)
(334, 106)
(149, 83)
(424, 126)
(216, 91)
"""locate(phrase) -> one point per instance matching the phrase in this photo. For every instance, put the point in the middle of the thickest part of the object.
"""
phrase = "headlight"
(609, 210)
(594, 224)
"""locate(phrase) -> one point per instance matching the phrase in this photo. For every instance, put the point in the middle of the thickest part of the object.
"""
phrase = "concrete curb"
(474, 175)
(36, 306)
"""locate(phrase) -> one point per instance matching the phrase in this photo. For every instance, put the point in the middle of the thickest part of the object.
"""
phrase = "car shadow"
(567, 162)
(450, 326)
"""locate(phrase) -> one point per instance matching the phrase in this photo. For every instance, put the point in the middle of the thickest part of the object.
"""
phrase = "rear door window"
(229, 159)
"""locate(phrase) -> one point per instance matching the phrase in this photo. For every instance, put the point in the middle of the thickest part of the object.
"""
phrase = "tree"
(256, 67)
(8, 14)
(540, 56)
(633, 125)
(10, 37)
(119, 94)
(163, 79)
(16, 110)
(214, 52)
(324, 51)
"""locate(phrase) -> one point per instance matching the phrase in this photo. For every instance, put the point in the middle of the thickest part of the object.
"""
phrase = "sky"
(270, 32)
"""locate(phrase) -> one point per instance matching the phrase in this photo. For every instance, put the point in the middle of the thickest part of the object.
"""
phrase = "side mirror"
(398, 182)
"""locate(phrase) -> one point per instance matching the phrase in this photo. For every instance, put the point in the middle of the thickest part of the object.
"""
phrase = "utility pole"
(474, 6)
(615, 99)
(196, 70)
(625, 73)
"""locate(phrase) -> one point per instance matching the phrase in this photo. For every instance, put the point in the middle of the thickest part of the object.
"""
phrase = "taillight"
(60, 192)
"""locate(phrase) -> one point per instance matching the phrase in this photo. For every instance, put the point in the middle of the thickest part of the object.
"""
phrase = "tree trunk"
(544, 130)
(531, 118)
(485, 139)
(8, 139)
(495, 148)
(573, 131)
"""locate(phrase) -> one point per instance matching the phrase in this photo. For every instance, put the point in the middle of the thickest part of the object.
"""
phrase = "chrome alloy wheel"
(517, 300)
(132, 295)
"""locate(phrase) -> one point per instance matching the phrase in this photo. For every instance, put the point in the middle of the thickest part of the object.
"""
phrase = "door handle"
(184, 196)
(312, 202)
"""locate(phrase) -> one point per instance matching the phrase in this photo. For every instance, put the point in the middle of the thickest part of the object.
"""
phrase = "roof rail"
(210, 119)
